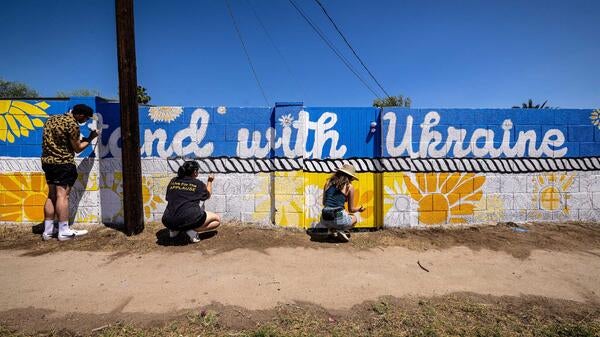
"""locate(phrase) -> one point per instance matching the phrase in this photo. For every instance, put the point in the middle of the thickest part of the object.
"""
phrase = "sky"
(442, 54)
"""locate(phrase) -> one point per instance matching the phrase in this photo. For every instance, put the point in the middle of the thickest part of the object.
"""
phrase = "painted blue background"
(353, 127)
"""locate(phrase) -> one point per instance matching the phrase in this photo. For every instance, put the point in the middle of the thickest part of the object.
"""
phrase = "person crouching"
(183, 212)
(338, 191)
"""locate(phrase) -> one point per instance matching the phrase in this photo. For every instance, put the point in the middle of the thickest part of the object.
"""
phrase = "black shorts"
(60, 174)
(183, 224)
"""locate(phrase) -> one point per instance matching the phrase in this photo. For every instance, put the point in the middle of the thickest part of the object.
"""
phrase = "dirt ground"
(243, 277)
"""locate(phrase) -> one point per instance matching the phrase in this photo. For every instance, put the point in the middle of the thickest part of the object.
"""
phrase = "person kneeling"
(337, 191)
(183, 212)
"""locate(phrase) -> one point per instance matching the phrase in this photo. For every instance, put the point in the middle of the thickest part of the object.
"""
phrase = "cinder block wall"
(417, 167)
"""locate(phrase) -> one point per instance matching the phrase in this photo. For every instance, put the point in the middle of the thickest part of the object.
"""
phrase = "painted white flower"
(399, 199)
(222, 110)
(286, 120)
(313, 198)
(164, 113)
(595, 117)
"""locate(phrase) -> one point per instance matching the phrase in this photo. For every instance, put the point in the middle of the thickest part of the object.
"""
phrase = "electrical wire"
(330, 45)
(270, 38)
(239, 34)
(350, 46)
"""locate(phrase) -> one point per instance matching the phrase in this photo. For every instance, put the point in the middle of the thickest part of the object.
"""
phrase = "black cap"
(82, 109)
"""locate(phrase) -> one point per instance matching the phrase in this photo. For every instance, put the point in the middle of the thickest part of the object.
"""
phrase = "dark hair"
(82, 109)
(339, 180)
(188, 168)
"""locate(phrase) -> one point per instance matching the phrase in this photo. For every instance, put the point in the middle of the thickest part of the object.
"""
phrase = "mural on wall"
(397, 203)
(445, 198)
(19, 118)
(417, 166)
(111, 187)
(595, 118)
(164, 113)
(23, 197)
(550, 194)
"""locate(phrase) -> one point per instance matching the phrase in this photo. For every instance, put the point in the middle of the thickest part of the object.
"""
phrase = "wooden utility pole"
(130, 130)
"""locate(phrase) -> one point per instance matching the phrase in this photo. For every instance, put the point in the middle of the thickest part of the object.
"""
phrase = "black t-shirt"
(183, 203)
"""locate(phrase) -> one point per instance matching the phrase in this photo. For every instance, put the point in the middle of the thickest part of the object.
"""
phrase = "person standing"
(183, 211)
(338, 190)
(61, 139)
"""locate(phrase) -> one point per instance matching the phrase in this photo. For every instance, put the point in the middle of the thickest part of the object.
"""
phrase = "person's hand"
(211, 177)
(361, 208)
(93, 134)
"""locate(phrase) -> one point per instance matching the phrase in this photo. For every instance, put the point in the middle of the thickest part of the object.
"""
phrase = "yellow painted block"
(289, 185)
(289, 219)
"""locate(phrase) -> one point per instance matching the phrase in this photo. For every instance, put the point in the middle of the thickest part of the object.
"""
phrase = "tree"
(530, 105)
(142, 95)
(398, 101)
(10, 89)
(78, 92)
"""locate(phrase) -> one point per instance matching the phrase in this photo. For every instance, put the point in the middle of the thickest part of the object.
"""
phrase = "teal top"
(334, 198)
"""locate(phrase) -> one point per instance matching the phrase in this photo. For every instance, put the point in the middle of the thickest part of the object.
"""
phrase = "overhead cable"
(350, 46)
(270, 38)
(239, 34)
(332, 47)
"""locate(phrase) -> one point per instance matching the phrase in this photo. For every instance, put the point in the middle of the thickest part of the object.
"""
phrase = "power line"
(239, 34)
(340, 56)
(270, 38)
(350, 46)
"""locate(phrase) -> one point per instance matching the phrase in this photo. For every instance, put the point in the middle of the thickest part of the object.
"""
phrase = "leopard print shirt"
(56, 144)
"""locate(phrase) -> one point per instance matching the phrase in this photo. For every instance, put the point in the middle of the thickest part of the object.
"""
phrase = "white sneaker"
(173, 234)
(71, 234)
(343, 236)
(46, 236)
(196, 238)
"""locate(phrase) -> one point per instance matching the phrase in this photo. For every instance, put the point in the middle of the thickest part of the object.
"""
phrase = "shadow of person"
(321, 235)
(38, 229)
(164, 239)
(78, 189)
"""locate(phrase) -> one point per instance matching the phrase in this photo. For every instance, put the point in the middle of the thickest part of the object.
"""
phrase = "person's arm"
(79, 145)
(351, 207)
(325, 189)
(209, 182)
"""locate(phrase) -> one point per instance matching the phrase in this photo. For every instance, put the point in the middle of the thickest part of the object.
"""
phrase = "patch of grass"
(381, 307)
(570, 330)
(454, 315)
(266, 331)
(204, 318)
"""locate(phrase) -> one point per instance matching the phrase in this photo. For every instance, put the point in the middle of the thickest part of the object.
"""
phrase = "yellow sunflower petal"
(412, 189)
(4, 106)
(37, 122)
(12, 124)
(450, 182)
(478, 182)
(23, 119)
(3, 128)
(30, 109)
(431, 182)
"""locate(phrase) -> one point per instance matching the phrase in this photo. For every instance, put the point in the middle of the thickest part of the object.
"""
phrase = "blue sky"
(468, 53)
